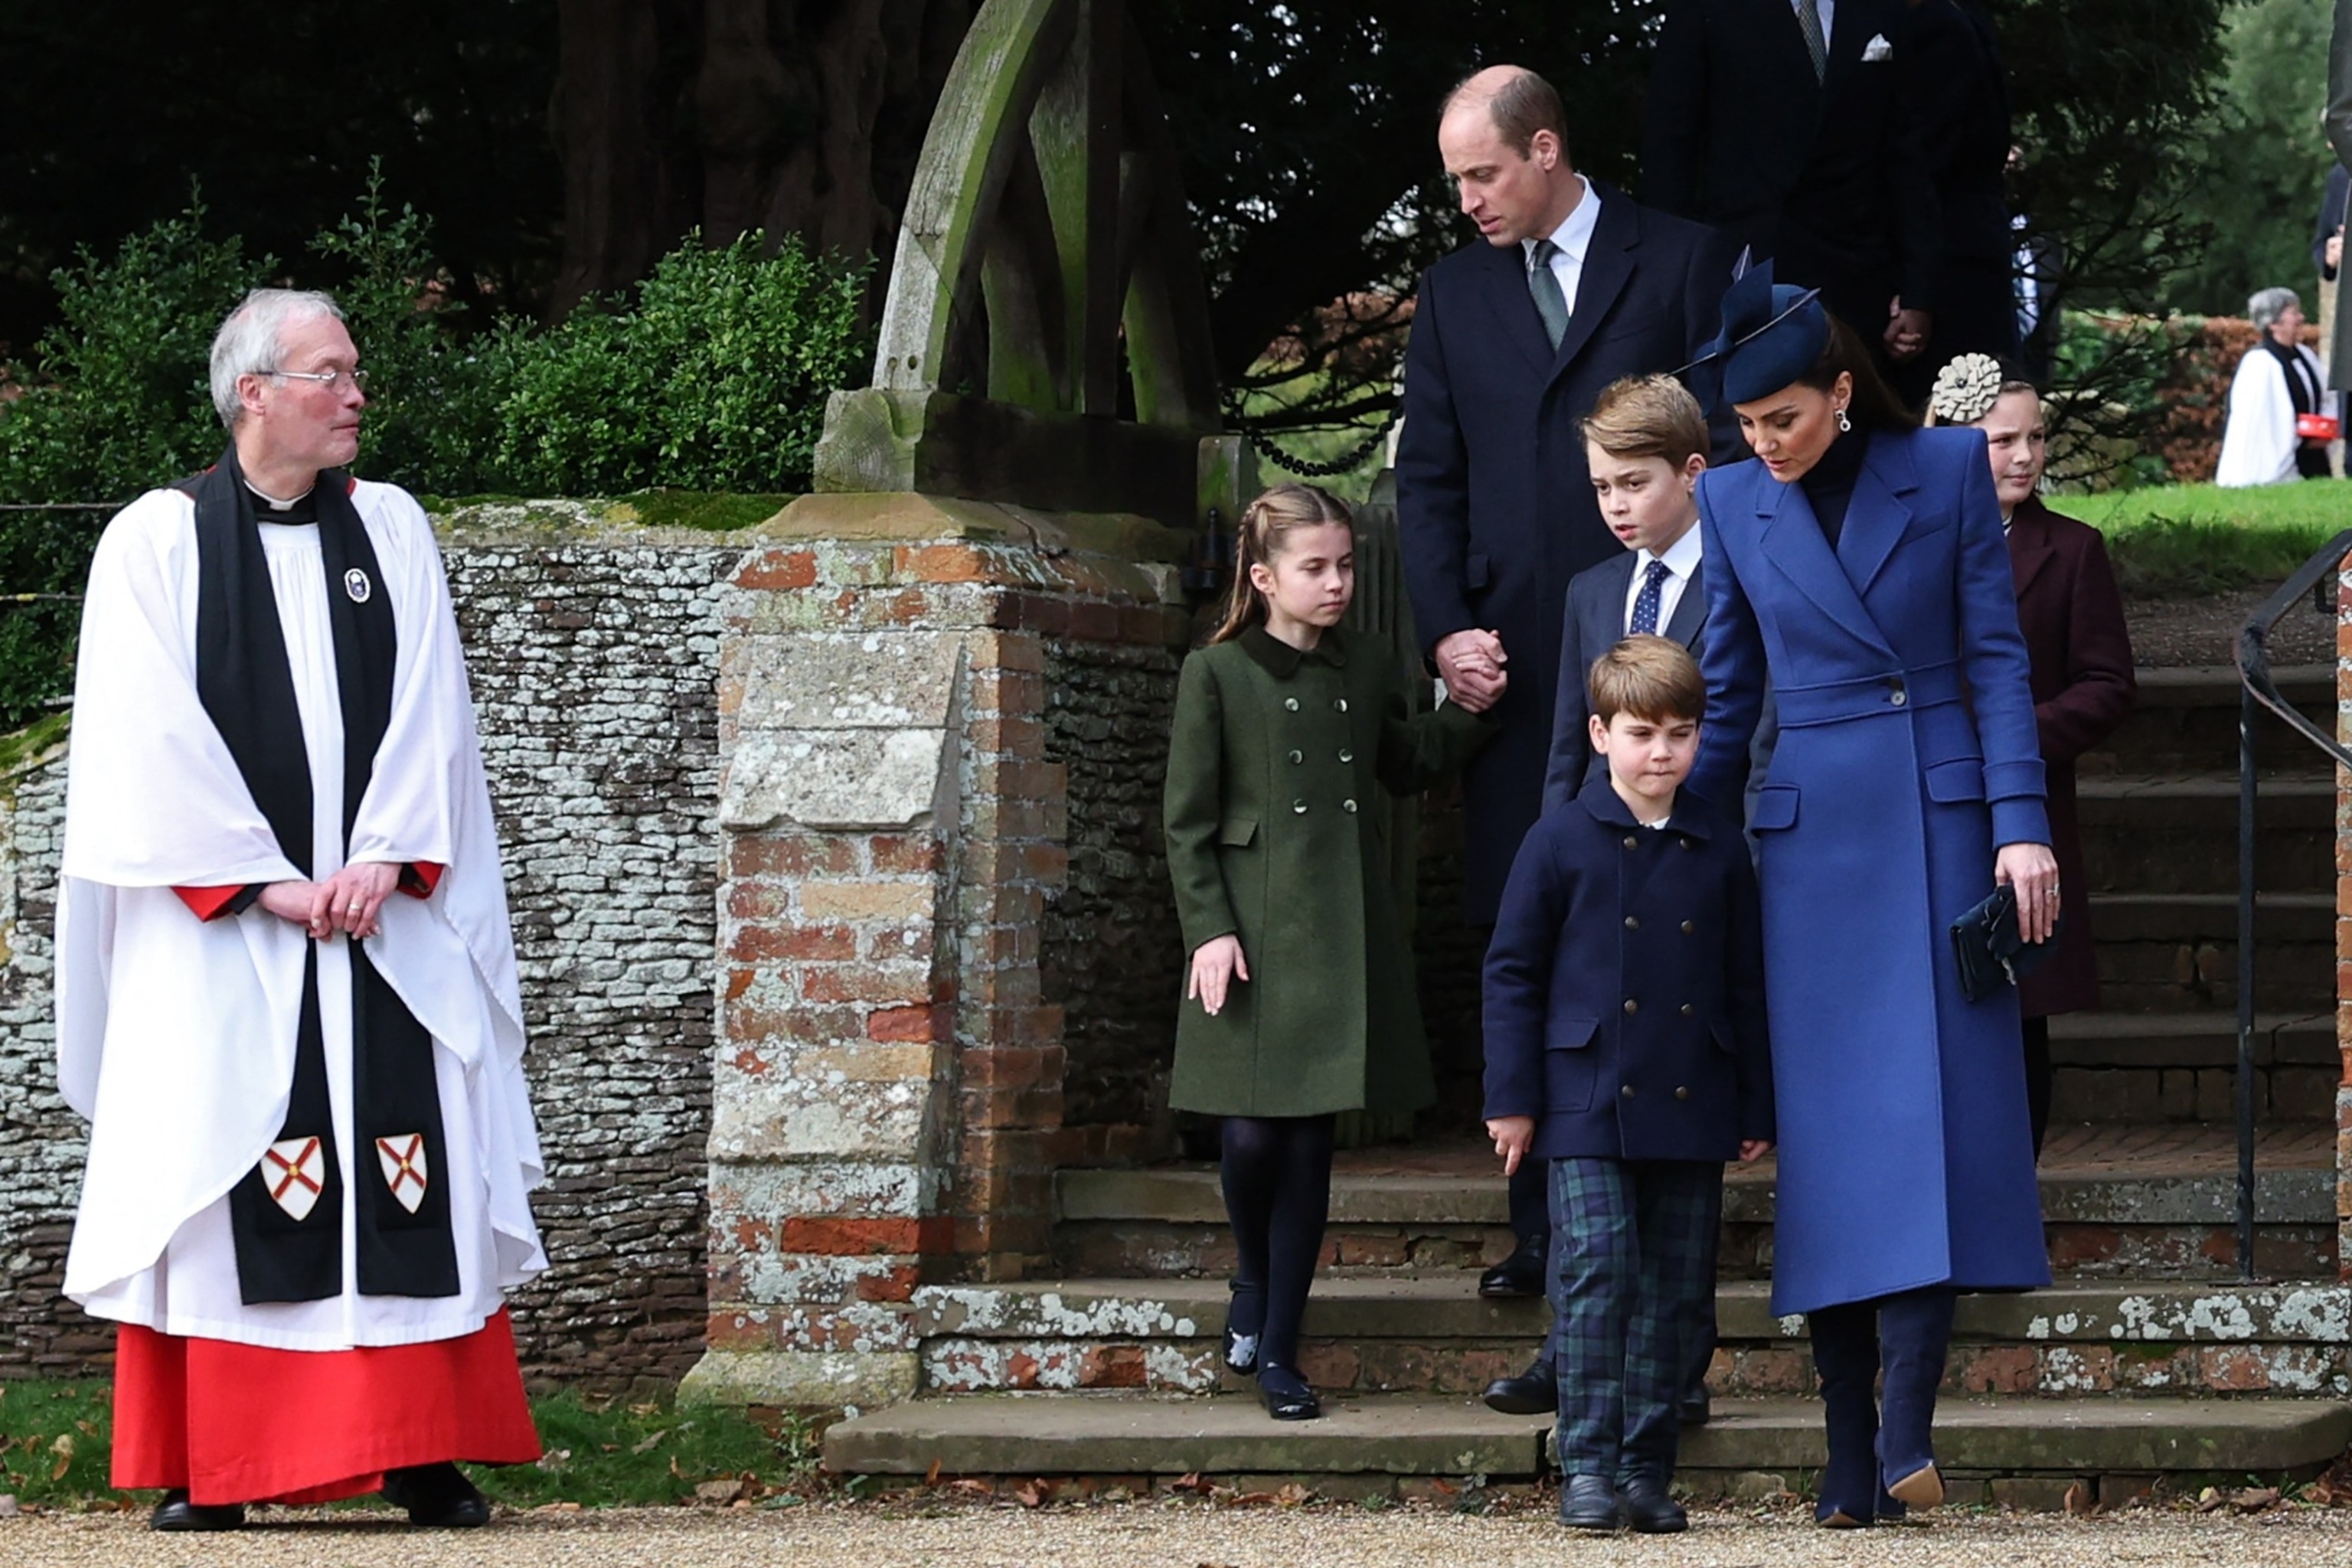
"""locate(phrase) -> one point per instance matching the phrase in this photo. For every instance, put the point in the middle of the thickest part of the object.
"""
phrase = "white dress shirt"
(1574, 238)
(1682, 560)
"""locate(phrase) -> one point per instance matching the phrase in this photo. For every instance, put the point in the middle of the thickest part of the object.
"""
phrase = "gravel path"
(1180, 1535)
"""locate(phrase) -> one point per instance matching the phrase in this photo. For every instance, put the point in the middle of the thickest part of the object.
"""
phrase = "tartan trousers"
(1632, 1290)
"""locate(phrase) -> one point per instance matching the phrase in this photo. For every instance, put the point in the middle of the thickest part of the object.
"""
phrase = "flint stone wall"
(593, 650)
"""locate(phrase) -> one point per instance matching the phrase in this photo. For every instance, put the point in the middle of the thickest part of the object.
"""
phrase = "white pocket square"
(1877, 49)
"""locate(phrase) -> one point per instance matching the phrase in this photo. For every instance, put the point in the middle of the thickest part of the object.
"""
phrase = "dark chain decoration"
(1302, 467)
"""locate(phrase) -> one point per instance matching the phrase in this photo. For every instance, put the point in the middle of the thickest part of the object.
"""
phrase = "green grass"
(600, 1454)
(706, 512)
(2189, 541)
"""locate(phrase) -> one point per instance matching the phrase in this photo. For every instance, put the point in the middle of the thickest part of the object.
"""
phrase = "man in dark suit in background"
(1570, 286)
(1964, 131)
(1793, 126)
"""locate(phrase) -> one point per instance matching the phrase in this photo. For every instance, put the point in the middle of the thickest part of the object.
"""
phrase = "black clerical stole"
(286, 1215)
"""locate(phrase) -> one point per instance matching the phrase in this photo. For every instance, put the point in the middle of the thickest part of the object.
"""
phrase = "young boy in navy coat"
(1626, 1044)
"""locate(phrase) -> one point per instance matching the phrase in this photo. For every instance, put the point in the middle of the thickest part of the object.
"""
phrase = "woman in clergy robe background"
(2277, 383)
(1858, 567)
(286, 996)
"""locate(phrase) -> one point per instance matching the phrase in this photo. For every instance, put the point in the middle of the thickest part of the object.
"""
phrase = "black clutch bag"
(1991, 952)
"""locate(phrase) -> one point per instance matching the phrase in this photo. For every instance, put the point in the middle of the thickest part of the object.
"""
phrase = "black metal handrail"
(2255, 686)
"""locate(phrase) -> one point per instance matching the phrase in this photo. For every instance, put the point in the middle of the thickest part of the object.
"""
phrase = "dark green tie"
(1544, 284)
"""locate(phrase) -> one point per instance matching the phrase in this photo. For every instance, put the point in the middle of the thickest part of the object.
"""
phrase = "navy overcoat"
(1624, 987)
(1494, 504)
(1907, 752)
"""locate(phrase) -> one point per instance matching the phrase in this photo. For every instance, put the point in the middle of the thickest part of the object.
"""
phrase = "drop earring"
(1845, 423)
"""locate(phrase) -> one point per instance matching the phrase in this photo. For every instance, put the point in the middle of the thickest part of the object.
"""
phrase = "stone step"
(1432, 1333)
(2152, 1220)
(2179, 951)
(2186, 721)
(2178, 833)
(1365, 1445)
(2183, 1066)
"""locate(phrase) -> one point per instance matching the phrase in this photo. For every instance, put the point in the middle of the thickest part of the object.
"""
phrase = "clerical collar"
(302, 508)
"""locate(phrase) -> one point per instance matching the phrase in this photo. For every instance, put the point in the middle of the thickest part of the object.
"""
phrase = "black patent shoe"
(437, 1497)
(1240, 1349)
(1287, 1397)
(1520, 1274)
(1649, 1511)
(176, 1512)
(1591, 1502)
(1535, 1391)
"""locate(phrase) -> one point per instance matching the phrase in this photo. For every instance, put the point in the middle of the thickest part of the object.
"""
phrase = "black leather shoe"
(1240, 1349)
(1520, 1274)
(1535, 1391)
(437, 1497)
(1695, 1409)
(1649, 1511)
(176, 1512)
(1591, 1502)
(1287, 1397)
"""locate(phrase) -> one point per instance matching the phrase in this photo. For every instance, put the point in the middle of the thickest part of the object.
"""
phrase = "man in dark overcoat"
(1794, 126)
(1493, 501)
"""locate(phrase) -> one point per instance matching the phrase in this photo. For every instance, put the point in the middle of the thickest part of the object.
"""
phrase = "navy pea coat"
(1624, 987)
(1907, 752)
(1495, 505)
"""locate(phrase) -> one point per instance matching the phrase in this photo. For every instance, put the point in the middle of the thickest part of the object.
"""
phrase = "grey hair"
(249, 342)
(2269, 304)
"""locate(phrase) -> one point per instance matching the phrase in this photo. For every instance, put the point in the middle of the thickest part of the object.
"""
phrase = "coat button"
(1345, 755)
(1689, 926)
(1341, 703)
(1291, 703)
(1688, 843)
(1627, 1092)
(1633, 922)
(1297, 756)
(1681, 1093)
(1631, 1005)
(1346, 805)
(1897, 697)
(1632, 842)
(1299, 806)
(1689, 1010)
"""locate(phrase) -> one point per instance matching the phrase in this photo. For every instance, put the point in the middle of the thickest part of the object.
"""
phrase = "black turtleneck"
(1829, 484)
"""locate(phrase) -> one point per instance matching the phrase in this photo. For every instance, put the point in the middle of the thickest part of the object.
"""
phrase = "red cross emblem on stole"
(403, 1157)
(293, 1169)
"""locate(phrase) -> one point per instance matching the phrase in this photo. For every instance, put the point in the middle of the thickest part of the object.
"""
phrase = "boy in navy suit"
(1645, 443)
(1626, 1044)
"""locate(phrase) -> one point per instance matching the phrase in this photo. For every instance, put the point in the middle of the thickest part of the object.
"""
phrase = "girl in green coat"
(1300, 1001)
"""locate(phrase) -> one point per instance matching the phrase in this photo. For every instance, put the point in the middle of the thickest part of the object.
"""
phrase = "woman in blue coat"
(1858, 569)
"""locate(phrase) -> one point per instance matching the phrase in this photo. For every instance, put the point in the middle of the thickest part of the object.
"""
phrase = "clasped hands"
(347, 901)
(1471, 664)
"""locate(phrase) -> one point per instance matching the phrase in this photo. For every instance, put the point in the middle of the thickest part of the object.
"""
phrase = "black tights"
(1276, 1171)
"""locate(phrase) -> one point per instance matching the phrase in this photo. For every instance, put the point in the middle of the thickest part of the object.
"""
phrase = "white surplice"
(2258, 438)
(176, 1035)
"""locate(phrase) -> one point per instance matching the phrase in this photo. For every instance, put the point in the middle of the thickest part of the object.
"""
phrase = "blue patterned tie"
(1646, 602)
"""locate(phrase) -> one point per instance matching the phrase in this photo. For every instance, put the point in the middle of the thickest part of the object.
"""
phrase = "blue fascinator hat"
(1773, 335)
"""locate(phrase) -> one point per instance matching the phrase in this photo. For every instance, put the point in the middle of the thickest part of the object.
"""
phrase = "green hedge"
(712, 375)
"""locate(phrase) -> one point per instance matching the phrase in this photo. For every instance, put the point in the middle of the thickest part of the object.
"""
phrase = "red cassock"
(233, 1422)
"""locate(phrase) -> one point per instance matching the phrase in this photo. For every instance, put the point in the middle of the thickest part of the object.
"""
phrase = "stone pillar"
(887, 1082)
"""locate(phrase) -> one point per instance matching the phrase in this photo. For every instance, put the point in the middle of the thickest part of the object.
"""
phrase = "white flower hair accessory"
(1966, 389)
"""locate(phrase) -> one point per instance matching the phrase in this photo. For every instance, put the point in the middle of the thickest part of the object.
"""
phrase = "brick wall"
(943, 725)
(594, 658)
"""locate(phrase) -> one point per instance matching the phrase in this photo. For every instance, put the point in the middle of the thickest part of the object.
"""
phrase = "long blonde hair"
(1259, 537)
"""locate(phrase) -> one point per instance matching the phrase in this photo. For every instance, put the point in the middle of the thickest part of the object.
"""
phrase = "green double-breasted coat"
(1271, 771)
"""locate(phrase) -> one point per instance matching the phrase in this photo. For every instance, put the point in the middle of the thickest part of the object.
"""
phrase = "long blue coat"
(1907, 752)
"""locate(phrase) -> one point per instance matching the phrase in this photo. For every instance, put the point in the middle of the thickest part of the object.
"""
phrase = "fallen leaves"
(2245, 1499)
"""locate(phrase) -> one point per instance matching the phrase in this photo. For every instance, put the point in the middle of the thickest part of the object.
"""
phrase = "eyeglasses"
(332, 380)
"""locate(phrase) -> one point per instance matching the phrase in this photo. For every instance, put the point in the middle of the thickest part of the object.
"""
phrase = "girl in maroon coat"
(2073, 618)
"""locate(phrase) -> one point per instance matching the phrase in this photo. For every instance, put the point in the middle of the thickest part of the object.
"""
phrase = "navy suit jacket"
(1624, 987)
(1829, 178)
(1595, 623)
(1494, 501)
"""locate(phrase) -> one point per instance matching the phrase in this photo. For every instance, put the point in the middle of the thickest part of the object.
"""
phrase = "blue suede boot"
(1845, 1354)
(1915, 1332)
